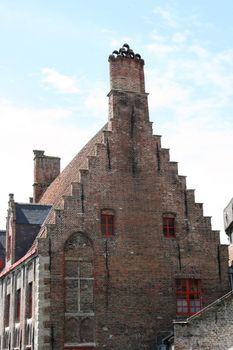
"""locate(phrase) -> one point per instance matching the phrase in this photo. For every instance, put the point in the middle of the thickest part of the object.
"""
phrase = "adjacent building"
(228, 225)
(114, 248)
(211, 328)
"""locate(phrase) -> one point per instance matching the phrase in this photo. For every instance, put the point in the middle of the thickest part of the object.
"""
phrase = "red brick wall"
(135, 269)
(46, 169)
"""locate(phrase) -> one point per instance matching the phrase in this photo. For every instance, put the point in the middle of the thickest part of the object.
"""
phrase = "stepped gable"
(122, 222)
(61, 186)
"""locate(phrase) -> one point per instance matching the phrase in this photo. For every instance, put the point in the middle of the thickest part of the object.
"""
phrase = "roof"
(33, 214)
(3, 238)
(27, 256)
(62, 184)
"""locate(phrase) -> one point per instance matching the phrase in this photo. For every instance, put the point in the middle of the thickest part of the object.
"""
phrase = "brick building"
(122, 249)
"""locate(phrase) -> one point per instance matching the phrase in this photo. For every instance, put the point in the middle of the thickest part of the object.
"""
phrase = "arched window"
(79, 301)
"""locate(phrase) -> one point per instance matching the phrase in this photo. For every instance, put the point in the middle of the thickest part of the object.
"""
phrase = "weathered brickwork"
(46, 169)
(43, 329)
(211, 329)
(134, 270)
(122, 232)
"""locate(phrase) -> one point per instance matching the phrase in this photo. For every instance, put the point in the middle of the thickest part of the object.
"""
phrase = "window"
(79, 286)
(169, 226)
(188, 296)
(17, 305)
(107, 224)
(79, 296)
(29, 334)
(30, 300)
(7, 310)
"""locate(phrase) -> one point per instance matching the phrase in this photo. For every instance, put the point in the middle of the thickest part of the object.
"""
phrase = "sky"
(54, 82)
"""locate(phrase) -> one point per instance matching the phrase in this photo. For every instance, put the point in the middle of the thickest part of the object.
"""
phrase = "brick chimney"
(128, 109)
(46, 169)
(126, 70)
(127, 88)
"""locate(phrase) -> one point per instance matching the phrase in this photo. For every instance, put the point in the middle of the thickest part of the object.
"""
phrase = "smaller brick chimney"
(46, 169)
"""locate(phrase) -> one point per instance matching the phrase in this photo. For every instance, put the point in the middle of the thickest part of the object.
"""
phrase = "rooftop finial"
(125, 51)
(11, 197)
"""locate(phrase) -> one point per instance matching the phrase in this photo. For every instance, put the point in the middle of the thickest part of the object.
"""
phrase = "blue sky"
(54, 82)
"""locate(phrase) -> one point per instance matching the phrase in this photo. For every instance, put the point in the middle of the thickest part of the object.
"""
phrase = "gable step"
(173, 168)
(165, 155)
(75, 189)
(106, 135)
(99, 147)
(157, 140)
(199, 208)
(91, 161)
(182, 179)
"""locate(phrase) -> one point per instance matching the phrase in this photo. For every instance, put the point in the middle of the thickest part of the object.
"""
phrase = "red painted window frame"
(1, 263)
(105, 224)
(189, 295)
(169, 229)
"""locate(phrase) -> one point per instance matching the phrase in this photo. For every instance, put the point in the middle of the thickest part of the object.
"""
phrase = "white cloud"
(106, 31)
(95, 102)
(160, 48)
(179, 37)
(62, 83)
(165, 92)
(166, 15)
(24, 129)
(199, 51)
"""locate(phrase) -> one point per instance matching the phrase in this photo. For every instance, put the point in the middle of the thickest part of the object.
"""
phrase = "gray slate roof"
(3, 238)
(33, 214)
